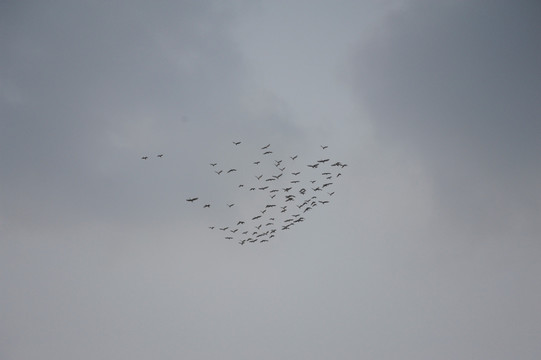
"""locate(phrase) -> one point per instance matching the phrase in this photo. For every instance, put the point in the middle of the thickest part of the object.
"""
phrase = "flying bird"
(213, 164)
(160, 155)
(206, 206)
(324, 147)
(192, 199)
(236, 143)
(218, 172)
(267, 152)
(296, 173)
(231, 170)
(230, 205)
(293, 157)
(256, 162)
(144, 157)
(265, 147)
(259, 177)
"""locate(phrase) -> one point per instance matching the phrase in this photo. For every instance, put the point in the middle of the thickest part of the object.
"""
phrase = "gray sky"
(430, 246)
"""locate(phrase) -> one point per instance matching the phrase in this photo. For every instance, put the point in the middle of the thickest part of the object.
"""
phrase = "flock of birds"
(289, 192)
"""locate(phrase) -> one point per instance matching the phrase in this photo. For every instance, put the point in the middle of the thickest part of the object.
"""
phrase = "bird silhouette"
(265, 147)
(144, 157)
(267, 152)
(236, 143)
(324, 147)
(160, 155)
(192, 199)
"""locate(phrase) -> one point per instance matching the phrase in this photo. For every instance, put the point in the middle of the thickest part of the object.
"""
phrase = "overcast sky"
(429, 248)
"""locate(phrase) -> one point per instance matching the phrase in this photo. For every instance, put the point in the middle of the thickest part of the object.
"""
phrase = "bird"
(230, 205)
(256, 162)
(323, 161)
(236, 143)
(313, 166)
(294, 181)
(224, 228)
(241, 185)
(160, 155)
(256, 217)
(324, 147)
(259, 177)
(218, 172)
(323, 202)
(211, 227)
(296, 173)
(327, 184)
(231, 170)
(240, 222)
(330, 193)
(293, 157)
(265, 147)
(206, 206)
(213, 164)
(192, 199)
(267, 152)
(144, 157)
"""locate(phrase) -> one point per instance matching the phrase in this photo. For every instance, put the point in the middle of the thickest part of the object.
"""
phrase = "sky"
(429, 248)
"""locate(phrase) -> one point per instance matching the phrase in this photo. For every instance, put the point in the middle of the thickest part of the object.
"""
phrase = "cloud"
(456, 85)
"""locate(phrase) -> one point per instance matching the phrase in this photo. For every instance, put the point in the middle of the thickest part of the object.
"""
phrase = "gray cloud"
(458, 85)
